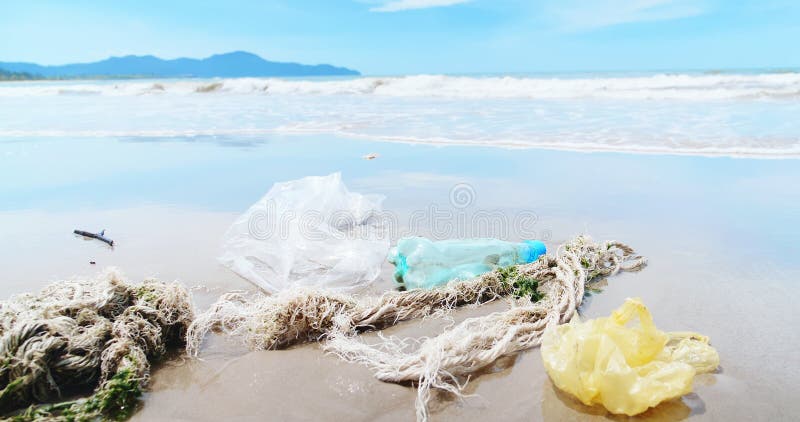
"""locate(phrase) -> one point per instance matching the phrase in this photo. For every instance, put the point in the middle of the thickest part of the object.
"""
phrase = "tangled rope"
(547, 291)
(296, 316)
(76, 335)
(441, 362)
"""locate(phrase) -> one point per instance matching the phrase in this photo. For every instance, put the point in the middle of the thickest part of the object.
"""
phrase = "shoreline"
(238, 135)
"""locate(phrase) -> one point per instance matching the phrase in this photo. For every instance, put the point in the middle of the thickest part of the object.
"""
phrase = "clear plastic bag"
(310, 232)
(626, 369)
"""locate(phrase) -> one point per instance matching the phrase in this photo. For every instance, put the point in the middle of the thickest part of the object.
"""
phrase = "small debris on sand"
(99, 236)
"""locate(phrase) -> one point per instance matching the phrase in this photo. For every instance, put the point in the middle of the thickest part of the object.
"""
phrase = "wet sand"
(720, 235)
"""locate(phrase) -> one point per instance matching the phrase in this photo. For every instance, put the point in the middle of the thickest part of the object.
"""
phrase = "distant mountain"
(230, 65)
(17, 76)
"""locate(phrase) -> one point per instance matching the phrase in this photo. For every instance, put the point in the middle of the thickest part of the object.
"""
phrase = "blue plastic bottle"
(422, 263)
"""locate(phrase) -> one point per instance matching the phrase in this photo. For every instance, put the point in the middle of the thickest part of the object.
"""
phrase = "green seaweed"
(116, 399)
(521, 286)
(595, 286)
(527, 286)
(507, 273)
(146, 293)
(8, 393)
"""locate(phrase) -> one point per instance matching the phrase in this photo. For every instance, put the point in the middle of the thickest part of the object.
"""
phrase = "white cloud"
(400, 5)
(584, 15)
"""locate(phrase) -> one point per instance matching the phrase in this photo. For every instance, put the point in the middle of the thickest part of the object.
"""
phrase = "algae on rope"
(521, 286)
(446, 361)
(116, 399)
(74, 336)
(300, 315)
(296, 316)
(546, 291)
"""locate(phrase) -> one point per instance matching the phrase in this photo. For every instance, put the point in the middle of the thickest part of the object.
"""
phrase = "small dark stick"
(99, 236)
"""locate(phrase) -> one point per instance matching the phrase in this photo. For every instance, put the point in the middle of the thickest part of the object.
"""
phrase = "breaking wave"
(662, 86)
(750, 115)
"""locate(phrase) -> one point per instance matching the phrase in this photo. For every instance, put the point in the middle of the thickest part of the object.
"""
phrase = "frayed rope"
(77, 335)
(547, 291)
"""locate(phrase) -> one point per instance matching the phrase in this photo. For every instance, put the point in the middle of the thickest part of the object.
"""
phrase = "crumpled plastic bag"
(311, 232)
(627, 369)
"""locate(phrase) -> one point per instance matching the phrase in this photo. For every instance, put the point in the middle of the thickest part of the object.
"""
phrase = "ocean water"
(731, 114)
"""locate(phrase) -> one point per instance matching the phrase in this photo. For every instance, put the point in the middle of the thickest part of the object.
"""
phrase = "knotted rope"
(76, 335)
(292, 317)
(441, 362)
(547, 291)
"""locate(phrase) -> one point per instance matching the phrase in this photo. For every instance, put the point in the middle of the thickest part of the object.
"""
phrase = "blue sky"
(416, 36)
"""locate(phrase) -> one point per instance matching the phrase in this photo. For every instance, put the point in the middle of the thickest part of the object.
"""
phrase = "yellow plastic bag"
(626, 369)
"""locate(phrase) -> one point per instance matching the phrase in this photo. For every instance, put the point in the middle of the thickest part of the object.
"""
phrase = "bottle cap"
(535, 249)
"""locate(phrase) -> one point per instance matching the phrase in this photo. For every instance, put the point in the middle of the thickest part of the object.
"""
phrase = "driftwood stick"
(99, 236)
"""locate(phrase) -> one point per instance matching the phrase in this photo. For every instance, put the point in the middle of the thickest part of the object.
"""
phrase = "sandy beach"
(720, 235)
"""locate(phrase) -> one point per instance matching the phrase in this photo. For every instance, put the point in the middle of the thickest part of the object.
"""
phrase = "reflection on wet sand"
(554, 401)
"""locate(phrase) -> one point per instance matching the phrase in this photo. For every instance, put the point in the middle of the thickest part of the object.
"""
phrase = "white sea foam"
(661, 86)
(734, 115)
